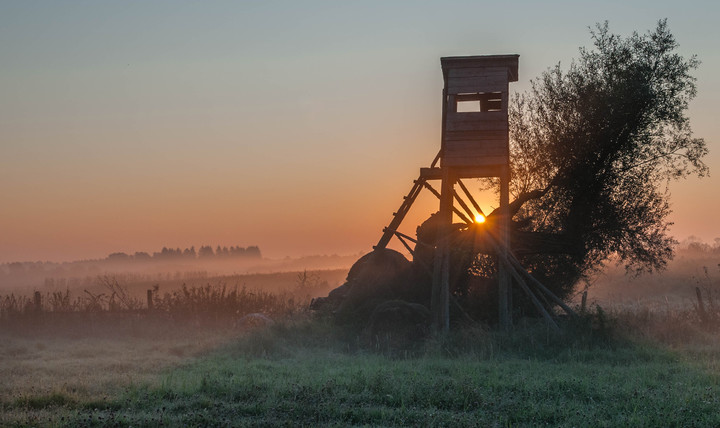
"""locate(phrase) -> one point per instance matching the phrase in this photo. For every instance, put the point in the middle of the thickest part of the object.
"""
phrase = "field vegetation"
(179, 296)
(192, 363)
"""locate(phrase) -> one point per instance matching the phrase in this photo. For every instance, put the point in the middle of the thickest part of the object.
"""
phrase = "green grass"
(307, 374)
(329, 389)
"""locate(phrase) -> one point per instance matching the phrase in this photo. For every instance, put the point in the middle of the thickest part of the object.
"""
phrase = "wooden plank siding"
(480, 73)
(465, 85)
(464, 172)
(455, 161)
(476, 135)
(475, 153)
(477, 121)
(478, 148)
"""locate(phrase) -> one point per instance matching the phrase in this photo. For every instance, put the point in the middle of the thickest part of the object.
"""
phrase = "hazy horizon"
(682, 244)
(296, 127)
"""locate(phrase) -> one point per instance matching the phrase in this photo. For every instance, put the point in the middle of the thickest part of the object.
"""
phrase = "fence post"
(701, 306)
(149, 300)
(38, 302)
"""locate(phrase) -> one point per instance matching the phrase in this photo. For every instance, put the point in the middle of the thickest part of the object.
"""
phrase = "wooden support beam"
(432, 189)
(514, 261)
(440, 297)
(455, 210)
(441, 275)
(518, 267)
(464, 205)
(410, 238)
(504, 312)
(470, 198)
(405, 244)
(436, 160)
(521, 282)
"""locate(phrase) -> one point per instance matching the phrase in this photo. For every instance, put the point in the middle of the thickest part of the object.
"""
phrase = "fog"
(25, 277)
(696, 265)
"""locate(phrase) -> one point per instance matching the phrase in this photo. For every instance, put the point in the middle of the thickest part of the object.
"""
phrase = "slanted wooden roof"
(510, 62)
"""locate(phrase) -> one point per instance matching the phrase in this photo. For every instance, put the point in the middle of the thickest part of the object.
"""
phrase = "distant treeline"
(23, 273)
(205, 252)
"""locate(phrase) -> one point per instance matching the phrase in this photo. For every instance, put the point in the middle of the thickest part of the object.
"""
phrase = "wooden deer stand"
(474, 144)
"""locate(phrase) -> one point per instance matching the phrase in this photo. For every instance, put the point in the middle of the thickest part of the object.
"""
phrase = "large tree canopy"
(594, 147)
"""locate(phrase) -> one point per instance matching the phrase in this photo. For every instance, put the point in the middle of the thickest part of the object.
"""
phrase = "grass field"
(303, 372)
(650, 358)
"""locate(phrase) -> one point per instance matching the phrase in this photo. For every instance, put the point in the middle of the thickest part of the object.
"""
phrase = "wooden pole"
(521, 282)
(440, 303)
(38, 302)
(454, 210)
(437, 157)
(514, 261)
(405, 244)
(149, 300)
(470, 198)
(701, 306)
(464, 206)
(504, 314)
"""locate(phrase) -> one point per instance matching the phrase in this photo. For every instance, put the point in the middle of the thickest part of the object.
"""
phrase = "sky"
(295, 126)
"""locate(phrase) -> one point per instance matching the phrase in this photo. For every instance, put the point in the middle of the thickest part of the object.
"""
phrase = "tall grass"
(116, 308)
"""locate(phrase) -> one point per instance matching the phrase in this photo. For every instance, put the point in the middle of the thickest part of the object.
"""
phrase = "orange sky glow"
(297, 128)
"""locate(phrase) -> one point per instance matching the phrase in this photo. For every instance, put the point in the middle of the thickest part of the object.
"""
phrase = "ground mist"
(194, 362)
(605, 369)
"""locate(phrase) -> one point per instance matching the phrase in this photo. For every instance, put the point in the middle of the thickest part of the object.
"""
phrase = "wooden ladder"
(399, 216)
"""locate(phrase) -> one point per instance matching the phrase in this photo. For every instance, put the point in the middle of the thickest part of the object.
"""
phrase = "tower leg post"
(504, 310)
(440, 299)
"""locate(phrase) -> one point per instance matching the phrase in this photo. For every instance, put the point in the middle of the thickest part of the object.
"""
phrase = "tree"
(116, 257)
(253, 252)
(141, 255)
(206, 251)
(593, 150)
(237, 251)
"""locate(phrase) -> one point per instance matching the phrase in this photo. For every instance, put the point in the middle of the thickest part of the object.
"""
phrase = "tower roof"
(483, 61)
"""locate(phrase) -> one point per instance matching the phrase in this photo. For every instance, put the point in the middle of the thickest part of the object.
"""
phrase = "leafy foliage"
(594, 149)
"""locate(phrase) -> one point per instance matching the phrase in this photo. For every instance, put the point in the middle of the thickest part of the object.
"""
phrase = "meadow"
(636, 362)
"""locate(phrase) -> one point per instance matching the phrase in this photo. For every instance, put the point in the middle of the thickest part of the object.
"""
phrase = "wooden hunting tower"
(475, 122)
(474, 144)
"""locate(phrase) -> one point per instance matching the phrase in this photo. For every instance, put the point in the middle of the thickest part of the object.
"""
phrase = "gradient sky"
(293, 125)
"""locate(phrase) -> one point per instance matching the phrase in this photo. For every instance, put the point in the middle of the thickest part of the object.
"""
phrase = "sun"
(479, 218)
